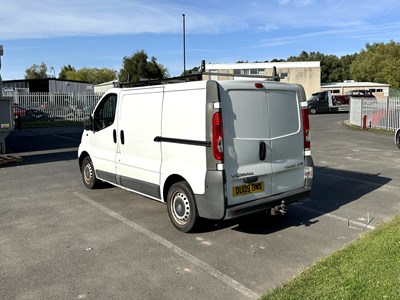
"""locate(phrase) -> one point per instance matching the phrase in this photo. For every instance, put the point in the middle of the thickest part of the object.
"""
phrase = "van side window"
(105, 112)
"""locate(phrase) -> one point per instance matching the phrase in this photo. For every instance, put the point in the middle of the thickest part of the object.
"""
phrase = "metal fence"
(382, 115)
(53, 106)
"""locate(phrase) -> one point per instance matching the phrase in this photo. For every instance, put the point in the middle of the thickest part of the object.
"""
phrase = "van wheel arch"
(168, 183)
(81, 158)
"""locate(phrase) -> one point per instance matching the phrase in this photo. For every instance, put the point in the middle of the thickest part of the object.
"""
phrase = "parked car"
(360, 93)
(29, 114)
(324, 102)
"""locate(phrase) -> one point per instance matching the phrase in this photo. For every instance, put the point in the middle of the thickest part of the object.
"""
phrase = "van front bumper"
(267, 202)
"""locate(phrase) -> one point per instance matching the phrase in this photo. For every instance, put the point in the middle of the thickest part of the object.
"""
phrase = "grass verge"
(369, 268)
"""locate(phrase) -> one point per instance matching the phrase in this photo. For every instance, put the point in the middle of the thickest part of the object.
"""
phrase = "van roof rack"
(194, 77)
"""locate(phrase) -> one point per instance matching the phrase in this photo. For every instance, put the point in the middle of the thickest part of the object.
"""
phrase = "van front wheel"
(182, 208)
(398, 139)
(88, 175)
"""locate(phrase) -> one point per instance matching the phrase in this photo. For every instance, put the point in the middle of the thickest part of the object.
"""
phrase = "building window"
(249, 71)
(334, 91)
(283, 75)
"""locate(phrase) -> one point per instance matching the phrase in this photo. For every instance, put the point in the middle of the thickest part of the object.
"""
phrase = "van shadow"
(332, 189)
(42, 146)
(42, 158)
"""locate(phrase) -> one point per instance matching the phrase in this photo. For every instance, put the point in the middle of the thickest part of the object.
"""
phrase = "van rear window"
(283, 112)
(264, 114)
(250, 114)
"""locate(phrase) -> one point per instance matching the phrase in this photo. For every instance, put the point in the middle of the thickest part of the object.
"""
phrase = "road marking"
(339, 218)
(179, 251)
(68, 138)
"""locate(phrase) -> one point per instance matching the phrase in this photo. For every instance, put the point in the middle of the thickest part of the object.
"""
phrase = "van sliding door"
(139, 157)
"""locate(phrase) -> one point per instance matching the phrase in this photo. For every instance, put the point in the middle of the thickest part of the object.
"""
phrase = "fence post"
(361, 110)
(15, 97)
(387, 113)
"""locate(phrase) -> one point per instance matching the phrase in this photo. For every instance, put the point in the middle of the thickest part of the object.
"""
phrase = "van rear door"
(263, 142)
(247, 142)
(287, 140)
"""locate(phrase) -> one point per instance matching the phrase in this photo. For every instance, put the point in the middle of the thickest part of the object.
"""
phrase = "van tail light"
(306, 129)
(217, 137)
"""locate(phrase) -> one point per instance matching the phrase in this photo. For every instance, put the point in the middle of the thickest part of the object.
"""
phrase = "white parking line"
(182, 253)
(336, 217)
(67, 138)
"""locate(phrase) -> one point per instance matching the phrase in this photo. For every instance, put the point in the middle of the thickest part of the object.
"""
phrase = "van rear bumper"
(267, 203)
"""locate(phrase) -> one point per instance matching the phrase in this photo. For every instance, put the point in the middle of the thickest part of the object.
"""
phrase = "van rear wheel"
(182, 208)
(88, 175)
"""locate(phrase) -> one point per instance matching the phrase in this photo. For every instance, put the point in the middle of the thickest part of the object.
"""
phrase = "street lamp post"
(1, 82)
(184, 45)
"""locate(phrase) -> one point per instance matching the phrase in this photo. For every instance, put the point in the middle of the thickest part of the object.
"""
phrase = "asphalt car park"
(60, 240)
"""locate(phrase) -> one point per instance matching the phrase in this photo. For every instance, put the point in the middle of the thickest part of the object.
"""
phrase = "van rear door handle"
(262, 151)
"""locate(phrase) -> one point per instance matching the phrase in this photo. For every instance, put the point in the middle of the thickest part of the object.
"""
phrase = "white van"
(208, 149)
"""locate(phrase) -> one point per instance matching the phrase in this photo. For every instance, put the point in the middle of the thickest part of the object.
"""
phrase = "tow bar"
(279, 209)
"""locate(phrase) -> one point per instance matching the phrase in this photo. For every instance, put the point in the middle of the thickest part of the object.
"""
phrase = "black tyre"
(182, 208)
(398, 139)
(88, 174)
(312, 110)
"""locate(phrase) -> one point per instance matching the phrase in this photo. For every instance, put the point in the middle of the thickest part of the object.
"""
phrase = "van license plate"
(248, 189)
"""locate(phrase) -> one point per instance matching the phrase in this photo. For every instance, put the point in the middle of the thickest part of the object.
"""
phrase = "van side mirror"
(88, 123)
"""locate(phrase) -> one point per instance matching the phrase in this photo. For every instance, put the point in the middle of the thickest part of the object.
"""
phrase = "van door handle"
(262, 151)
(115, 136)
(122, 137)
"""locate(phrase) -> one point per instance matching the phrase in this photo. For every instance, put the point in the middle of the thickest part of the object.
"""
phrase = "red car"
(30, 114)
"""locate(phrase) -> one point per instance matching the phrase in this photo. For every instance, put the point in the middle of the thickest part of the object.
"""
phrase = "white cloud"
(376, 32)
(27, 19)
(21, 19)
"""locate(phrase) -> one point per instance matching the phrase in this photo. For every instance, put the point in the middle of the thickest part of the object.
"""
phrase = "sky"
(100, 33)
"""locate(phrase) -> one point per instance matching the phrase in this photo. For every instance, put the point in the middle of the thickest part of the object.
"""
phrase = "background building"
(380, 90)
(46, 85)
(307, 73)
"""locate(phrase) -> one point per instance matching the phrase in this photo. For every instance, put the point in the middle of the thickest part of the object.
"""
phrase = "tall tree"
(37, 72)
(137, 67)
(378, 62)
(91, 75)
(333, 68)
(64, 71)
